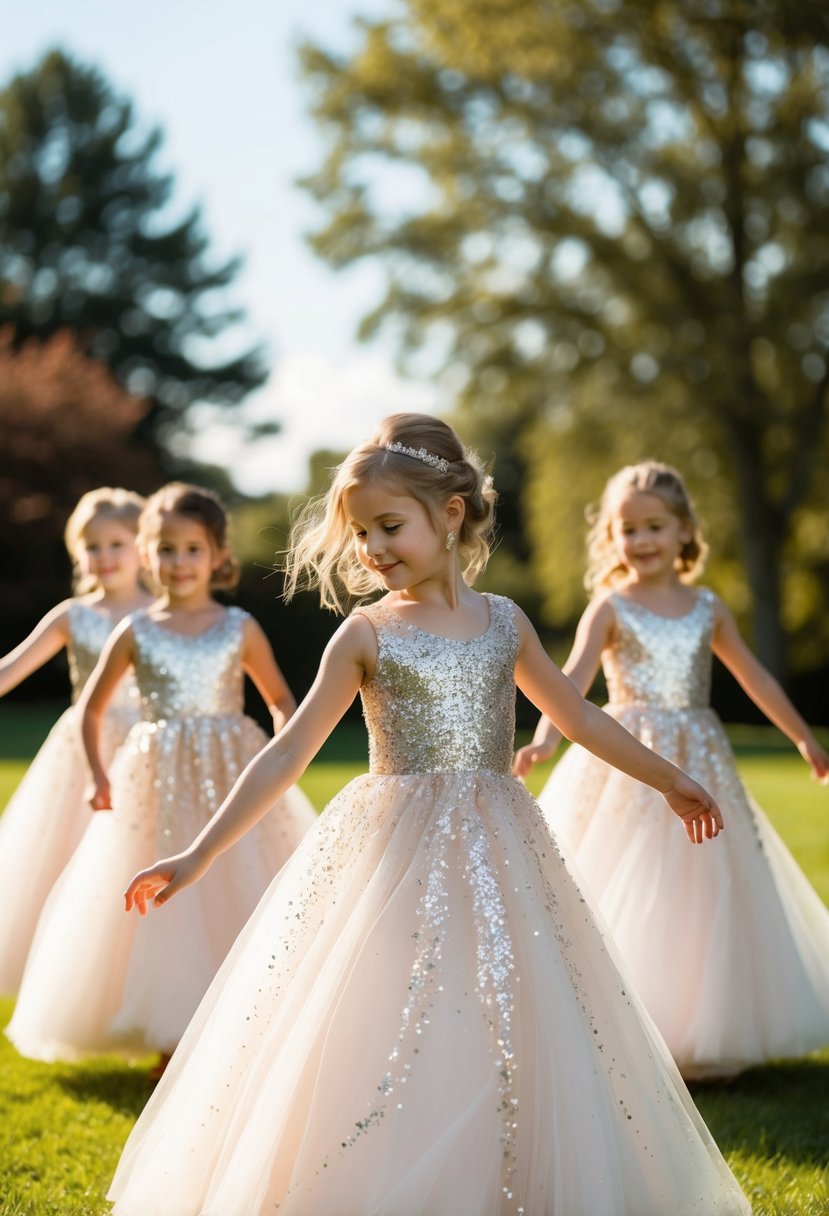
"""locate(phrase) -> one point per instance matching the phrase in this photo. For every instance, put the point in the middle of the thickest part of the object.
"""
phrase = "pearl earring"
(449, 543)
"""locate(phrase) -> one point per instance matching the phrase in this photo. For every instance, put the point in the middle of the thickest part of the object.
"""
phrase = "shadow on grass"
(122, 1088)
(779, 1110)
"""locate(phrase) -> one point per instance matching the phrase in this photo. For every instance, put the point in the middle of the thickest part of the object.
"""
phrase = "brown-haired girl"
(421, 1017)
(730, 951)
(96, 980)
(48, 813)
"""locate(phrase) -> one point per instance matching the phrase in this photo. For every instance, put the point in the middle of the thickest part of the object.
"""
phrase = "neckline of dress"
(661, 615)
(441, 637)
(189, 637)
(103, 616)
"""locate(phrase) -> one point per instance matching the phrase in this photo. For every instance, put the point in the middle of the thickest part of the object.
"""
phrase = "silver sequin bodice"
(89, 630)
(437, 705)
(659, 661)
(180, 676)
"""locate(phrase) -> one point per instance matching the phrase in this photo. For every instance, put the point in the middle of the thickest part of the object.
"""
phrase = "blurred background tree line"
(604, 227)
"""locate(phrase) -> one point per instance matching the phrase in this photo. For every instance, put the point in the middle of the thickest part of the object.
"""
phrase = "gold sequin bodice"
(179, 676)
(663, 662)
(89, 630)
(437, 705)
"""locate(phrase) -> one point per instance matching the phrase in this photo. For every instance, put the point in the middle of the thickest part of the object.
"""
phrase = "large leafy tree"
(88, 243)
(611, 222)
(66, 427)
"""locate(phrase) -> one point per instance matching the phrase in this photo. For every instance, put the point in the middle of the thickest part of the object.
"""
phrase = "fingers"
(820, 768)
(522, 763)
(703, 823)
(144, 891)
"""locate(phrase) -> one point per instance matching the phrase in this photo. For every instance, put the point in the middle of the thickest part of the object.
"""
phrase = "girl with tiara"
(96, 980)
(421, 1018)
(749, 979)
(47, 815)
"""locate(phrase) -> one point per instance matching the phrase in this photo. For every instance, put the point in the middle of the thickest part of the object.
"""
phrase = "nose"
(375, 543)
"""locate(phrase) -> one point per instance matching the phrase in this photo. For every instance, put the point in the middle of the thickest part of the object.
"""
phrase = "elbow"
(575, 725)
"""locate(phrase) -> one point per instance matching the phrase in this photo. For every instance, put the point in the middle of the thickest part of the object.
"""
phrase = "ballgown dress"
(422, 1018)
(99, 980)
(727, 945)
(48, 813)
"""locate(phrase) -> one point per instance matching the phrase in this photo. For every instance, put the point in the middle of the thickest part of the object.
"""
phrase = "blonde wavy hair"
(107, 502)
(203, 506)
(605, 569)
(321, 549)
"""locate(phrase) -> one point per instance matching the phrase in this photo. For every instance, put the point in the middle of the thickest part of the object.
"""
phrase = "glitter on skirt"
(421, 1018)
(96, 979)
(48, 814)
(727, 945)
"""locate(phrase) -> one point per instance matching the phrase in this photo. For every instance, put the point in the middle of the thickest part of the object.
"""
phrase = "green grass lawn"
(62, 1127)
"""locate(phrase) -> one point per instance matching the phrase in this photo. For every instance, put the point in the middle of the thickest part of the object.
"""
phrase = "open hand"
(526, 757)
(696, 808)
(816, 758)
(158, 883)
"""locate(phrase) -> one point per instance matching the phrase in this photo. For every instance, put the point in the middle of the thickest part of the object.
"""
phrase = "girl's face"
(181, 556)
(648, 536)
(394, 536)
(107, 552)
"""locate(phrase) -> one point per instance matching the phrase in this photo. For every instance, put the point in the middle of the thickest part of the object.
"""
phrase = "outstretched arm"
(765, 691)
(116, 658)
(593, 635)
(260, 664)
(347, 660)
(551, 691)
(48, 637)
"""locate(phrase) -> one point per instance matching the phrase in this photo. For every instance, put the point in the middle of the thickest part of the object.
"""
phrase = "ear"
(454, 513)
(220, 556)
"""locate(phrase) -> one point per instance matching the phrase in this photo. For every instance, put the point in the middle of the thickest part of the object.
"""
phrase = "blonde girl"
(421, 1016)
(750, 980)
(95, 980)
(47, 815)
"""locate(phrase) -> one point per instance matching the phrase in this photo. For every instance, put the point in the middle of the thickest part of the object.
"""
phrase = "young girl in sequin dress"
(48, 813)
(747, 978)
(97, 980)
(421, 1018)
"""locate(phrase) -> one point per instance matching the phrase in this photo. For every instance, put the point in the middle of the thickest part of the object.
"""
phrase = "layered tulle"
(40, 829)
(99, 980)
(728, 944)
(422, 1019)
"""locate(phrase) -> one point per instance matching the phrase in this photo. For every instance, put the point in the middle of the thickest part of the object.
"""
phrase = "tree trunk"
(763, 529)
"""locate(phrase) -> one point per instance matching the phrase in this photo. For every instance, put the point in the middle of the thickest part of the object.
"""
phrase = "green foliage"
(88, 242)
(608, 224)
(66, 426)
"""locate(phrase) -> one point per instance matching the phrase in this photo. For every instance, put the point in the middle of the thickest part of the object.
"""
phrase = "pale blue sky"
(221, 80)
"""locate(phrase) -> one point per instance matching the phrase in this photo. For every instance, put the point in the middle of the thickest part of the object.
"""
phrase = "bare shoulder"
(723, 616)
(356, 634)
(600, 611)
(59, 615)
(252, 630)
(123, 634)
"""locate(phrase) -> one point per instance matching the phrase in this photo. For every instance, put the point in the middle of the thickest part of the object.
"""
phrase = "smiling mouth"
(385, 569)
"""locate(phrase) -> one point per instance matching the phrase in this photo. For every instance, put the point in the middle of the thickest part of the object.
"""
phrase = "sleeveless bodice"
(439, 705)
(180, 676)
(660, 661)
(89, 630)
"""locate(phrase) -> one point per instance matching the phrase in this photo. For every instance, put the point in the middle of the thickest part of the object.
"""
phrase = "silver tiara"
(435, 462)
